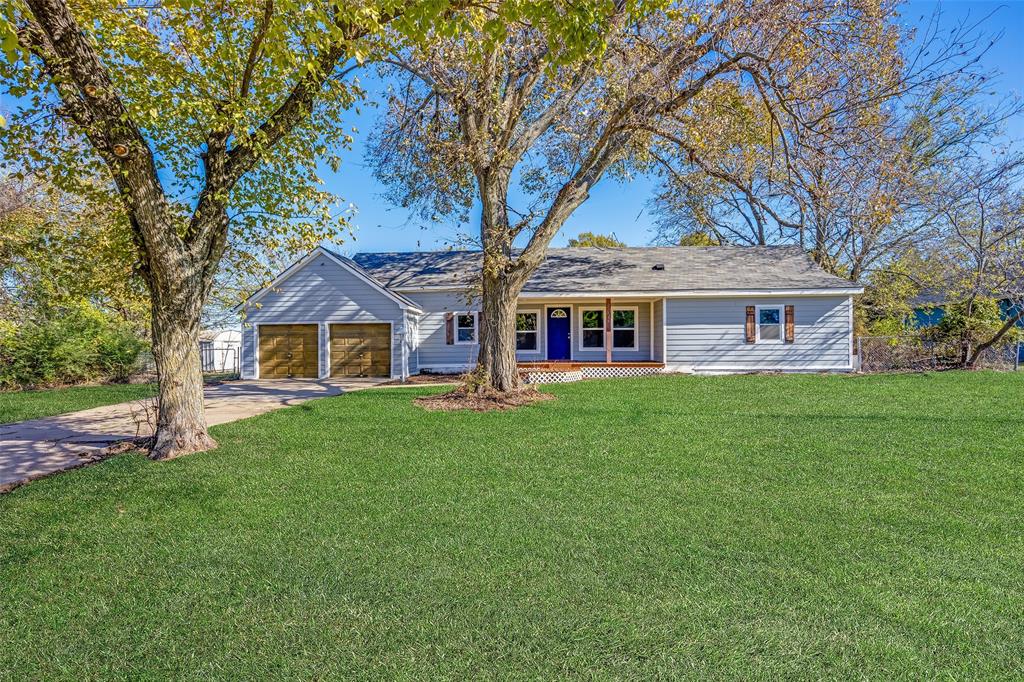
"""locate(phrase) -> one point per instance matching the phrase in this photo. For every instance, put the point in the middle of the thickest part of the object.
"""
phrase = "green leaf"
(9, 40)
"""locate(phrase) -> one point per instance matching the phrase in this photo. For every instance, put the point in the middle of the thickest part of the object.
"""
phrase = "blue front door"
(559, 334)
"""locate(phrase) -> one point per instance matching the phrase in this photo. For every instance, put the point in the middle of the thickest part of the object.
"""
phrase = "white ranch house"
(585, 312)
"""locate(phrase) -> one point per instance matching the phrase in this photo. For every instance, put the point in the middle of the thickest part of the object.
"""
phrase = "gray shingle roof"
(600, 270)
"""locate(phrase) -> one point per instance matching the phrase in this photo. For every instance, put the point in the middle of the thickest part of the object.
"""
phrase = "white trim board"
(853, 350)
(446, 369)
(698, 369)
(650, 313)
(664, 330)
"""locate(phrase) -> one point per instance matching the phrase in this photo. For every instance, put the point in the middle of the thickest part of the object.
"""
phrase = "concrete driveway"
(38, 447)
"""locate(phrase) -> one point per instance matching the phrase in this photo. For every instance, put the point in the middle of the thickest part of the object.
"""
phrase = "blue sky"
(623, 208)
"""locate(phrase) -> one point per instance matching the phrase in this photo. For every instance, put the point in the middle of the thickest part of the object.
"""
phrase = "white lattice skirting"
(594, 372)
(553, 377)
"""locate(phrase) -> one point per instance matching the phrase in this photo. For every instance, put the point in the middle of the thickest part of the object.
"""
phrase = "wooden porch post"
(608, 331)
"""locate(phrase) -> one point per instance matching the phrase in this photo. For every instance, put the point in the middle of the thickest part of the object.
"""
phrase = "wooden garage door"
(288, 350)
(360, 350)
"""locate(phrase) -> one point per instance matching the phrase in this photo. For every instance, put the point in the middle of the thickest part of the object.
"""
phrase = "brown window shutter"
(449, 329)
(790, 326)
(750, 328)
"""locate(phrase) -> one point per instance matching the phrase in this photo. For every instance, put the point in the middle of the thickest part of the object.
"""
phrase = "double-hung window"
(465, 328)
(526, 331)
(592, 329)
(769, 324)
(624, 329)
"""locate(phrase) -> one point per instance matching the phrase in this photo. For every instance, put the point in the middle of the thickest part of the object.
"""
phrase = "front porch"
(553, 372)
(579, 332)
(569, 339)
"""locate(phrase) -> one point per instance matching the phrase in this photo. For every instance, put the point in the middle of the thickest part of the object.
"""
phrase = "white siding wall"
(659, 332)
(708, 335)
(434, 354)
(699, 334)
(321, 292)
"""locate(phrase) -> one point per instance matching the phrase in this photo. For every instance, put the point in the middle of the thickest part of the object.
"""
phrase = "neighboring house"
(599, 311)
(930, 308)
(220, 349)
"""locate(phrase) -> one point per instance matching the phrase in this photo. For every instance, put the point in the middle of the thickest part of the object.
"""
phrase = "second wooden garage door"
(360, 350)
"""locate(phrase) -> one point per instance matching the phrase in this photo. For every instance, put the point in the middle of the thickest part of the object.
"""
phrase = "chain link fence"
(913, 354)
(145, 367)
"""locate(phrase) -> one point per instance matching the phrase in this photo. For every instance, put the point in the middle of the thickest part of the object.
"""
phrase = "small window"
(624, 328)
(465, 328)
(592, 322)
(769, 325)
(526, 331)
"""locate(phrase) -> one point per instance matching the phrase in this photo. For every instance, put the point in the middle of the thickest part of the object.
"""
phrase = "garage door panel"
(360, 350)
(289, 350)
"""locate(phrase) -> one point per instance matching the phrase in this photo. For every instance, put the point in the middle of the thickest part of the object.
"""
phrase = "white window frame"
(604, 334)
(782, 323)
(456, 327)
(635, 328)
(583, 331)
(535, 332)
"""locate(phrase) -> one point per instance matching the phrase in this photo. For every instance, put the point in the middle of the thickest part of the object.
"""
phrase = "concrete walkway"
(38, 447)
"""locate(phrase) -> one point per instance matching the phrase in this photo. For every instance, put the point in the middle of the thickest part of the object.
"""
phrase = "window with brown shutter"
(751, 328)
(790, 325)
(449, 329)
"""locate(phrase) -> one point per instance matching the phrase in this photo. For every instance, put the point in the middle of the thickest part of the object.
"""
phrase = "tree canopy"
(851, 183)
(595, 239)
(203, 124)
(57, 251)
(673, 83)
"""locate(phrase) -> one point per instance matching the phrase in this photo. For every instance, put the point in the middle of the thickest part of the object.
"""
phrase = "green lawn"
(741, 527)
(17, 406)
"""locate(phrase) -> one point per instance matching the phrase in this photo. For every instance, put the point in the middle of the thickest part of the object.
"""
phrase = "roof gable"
(341, 261)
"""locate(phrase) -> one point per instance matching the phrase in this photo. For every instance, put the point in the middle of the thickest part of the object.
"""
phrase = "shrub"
(983, 322)
(75, 344)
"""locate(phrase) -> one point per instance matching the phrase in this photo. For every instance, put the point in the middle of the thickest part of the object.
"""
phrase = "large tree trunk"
(505, 273)
(501, 282)
(497, 359)
(181, 424)
(177, 292)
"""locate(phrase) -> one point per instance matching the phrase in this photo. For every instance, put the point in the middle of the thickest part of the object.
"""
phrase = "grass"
(18, 406)
(738, 527)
